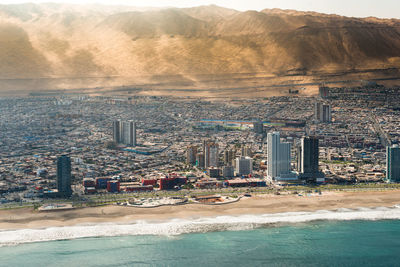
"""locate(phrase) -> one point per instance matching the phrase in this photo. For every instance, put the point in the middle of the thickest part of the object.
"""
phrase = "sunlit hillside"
(63, 44)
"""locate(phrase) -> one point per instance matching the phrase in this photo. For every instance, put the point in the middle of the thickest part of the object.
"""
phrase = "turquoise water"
(350, 243)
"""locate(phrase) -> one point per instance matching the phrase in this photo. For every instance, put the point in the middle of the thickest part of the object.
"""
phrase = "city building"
(117, 131)
(124, 132)
(322, 112)
(208, 183)
(244, 166)
(200, 160)
(308, 159)
(324, 92)
(172, 181)
(113, 186)
(258, 127)
(278, 156)
(64, 176)
(89, 182)
(205, 142)
(228, 172)
(393, 163)
(101, 182)
(211, 155)
(191, 153)
(213, 172)
(128, 133)
(228, 157)
(246, 151)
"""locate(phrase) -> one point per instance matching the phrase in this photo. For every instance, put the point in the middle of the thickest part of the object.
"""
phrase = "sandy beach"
(259, 204)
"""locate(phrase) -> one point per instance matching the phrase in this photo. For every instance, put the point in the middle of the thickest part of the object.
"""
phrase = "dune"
(55, 44)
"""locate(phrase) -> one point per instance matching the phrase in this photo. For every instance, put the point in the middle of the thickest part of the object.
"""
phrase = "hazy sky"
(356, 8)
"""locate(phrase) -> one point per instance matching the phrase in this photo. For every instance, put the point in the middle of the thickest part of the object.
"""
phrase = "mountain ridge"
(59, 40)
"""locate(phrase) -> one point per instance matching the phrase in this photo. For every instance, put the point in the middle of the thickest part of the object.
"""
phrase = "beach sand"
(259, 204)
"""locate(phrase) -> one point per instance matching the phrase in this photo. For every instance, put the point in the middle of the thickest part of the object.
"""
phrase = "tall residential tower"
(258, 127)
(244, 166)
(211, 155)
(322, 112)
(278, 156)
(128, 133)
(191, 153)
(124, 132)
(116, 131)
(64, 176)
(308, 158)
(393, 163)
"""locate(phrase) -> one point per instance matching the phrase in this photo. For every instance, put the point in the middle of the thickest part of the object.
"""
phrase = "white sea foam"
(201, 225)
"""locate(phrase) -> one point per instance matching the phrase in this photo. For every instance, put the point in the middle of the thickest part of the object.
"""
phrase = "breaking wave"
(185, 226)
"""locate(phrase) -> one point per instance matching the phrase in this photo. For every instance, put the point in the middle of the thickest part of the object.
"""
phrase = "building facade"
(393, 163)
(278, 156)
(322, 112)
(124, 132)
(228, 172)
(246, 151)
(244, 166)
(128, 133)
(258, 127)
(308, 158)
(211, 155)
(191, 153)
(64, 176)
(200, 160)
(228, 157)
(116, 131)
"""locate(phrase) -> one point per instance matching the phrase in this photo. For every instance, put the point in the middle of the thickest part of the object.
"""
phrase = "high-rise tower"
(211, 155)
(64, 176)
(244, 166)
(191, 153)
(393, 163)
(278, 155)
(308, 158)
(117, 131)
(322, 112)
(258, 127)
(124, 132)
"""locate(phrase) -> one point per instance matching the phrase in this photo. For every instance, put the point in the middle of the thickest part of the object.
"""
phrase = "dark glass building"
(393, 163)
(116, 131)
(64, 176)
(308, 158)
(258, 127)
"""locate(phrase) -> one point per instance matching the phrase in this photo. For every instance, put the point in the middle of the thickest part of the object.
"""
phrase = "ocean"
(222, 241)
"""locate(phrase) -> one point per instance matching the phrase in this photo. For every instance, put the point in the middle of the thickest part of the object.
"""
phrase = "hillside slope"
(130, 46)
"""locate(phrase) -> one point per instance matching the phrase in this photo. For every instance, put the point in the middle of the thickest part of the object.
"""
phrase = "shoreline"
(256, 205)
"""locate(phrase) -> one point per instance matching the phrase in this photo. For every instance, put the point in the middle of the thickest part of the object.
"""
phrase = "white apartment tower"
(128, 133)
(278, 155)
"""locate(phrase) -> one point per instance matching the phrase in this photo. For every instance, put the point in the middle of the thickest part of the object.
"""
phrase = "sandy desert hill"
(59, 46)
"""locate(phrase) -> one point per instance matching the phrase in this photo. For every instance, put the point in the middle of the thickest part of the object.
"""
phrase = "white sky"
(356, 8)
